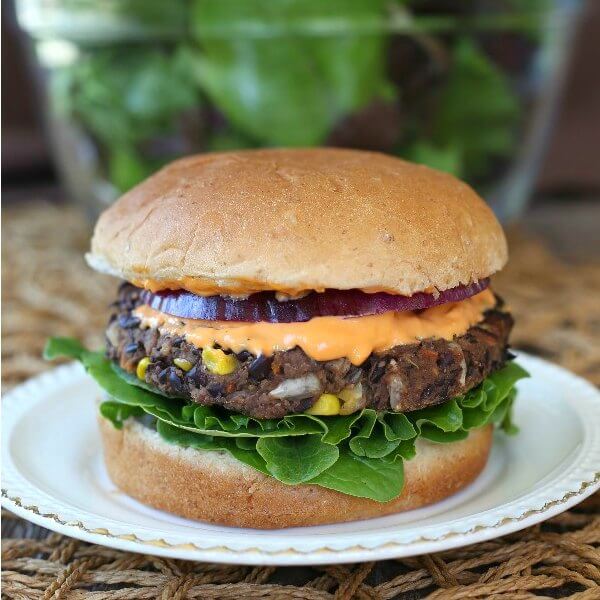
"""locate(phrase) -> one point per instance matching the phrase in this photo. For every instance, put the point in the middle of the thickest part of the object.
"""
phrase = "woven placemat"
(48, 290)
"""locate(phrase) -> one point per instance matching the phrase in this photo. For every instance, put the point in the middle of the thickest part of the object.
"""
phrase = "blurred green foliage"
(289, 90)
(124, 95)
(278, 86)
(474, 122)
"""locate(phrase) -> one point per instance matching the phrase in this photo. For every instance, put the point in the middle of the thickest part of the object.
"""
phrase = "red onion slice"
(331, 303)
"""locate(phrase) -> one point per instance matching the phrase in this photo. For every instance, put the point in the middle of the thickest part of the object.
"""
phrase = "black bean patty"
(404, 378)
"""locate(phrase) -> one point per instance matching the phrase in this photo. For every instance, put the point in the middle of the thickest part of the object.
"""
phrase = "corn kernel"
(217, 362)
(351, 398)
(326, 404)
(183, 364)
(142, 367)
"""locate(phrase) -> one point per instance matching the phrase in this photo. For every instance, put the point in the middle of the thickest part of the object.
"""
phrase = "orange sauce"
(328, 338)
(204, 286)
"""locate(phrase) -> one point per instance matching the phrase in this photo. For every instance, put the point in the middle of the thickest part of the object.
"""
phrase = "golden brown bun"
(299, 219)
(214, 487)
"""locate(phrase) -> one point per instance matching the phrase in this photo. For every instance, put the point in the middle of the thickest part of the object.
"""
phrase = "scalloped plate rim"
(23, 498)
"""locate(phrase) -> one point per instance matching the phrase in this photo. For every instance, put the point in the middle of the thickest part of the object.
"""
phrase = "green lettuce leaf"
(290, 92)
(297, 459)
(376, 478)
(360, 454)
(126, 98)
(477, 98)
(118, 413)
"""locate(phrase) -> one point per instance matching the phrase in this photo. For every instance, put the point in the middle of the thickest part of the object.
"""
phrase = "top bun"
(294, 220)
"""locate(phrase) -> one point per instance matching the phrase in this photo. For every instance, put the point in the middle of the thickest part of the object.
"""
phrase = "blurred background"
(502, 93)
(99, 94)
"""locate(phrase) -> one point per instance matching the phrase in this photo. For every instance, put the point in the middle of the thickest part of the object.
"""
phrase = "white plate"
(52, 474)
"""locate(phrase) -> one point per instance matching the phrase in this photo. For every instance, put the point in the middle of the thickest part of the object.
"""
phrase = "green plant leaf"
(477, 112)
(291, 90)
(117, 412)
(64, 347)
(447, 417)
(378, 479)
(448, 158)
(360, 454)
(296, 459)
(125, 97)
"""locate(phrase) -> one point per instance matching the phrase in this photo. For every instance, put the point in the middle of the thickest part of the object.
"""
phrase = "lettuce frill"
(361, 454)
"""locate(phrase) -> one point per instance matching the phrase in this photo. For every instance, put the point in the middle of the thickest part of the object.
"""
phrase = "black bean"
(175, 381)
(197, 375)
(131, 348)
(128, 321)
(163, 375)
(243, 356)
(177, 341)
(260, 367)
(214, 389)
(306, 403)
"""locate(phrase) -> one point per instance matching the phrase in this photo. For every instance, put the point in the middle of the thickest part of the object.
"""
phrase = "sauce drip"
(328, 338)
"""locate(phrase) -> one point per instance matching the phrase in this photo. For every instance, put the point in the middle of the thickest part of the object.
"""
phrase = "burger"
(301, 337)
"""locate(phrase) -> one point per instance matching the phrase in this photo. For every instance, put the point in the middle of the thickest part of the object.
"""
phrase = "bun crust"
(214, 487)
(294, 220)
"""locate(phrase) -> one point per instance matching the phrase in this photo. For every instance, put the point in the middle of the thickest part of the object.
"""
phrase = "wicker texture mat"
(48, 290)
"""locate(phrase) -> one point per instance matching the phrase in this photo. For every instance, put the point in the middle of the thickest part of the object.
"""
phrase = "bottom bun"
(213, 486)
